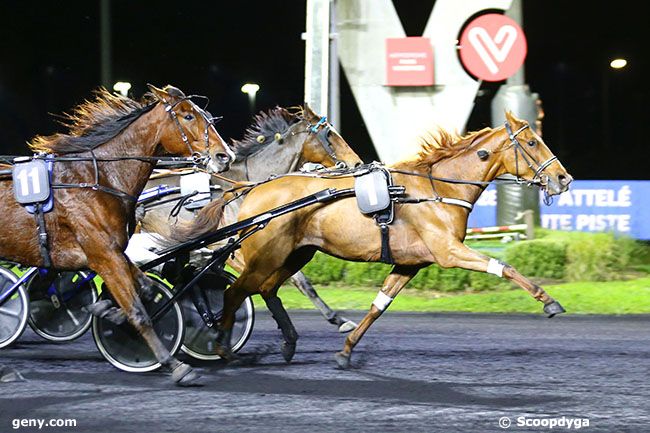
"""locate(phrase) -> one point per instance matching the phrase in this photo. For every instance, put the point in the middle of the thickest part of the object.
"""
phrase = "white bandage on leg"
(382, 301)
(495, 267)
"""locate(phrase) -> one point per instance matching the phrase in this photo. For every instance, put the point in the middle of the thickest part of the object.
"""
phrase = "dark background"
(595, 116)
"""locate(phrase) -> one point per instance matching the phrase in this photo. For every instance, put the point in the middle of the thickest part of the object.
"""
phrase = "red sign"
(493, 47)
(409, 62)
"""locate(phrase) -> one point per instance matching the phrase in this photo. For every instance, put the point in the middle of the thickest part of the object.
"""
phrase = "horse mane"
(94, 122)
(441, 144)
(265, 124)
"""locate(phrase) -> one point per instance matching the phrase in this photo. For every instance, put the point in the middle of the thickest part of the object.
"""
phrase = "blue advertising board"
(620, 206)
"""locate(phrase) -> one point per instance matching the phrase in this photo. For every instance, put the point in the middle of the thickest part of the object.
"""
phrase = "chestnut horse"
(441, 183)
(104, 162)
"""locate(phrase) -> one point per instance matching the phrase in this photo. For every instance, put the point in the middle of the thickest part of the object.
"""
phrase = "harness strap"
(457, 202)
(386, 256)
(383, 219)
(42, 235)
(97, 187)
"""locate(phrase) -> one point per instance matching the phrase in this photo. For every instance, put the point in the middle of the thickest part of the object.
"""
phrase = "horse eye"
(531, 143)
(189, 117)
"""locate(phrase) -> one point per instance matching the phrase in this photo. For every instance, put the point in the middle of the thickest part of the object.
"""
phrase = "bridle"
(195, 159)
(322, 130)
(210, 121)
(530, 160)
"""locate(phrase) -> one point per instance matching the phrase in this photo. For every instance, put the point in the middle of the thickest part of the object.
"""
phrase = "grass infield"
(612, 297)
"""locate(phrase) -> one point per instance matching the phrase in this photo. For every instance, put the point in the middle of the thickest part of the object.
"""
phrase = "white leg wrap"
(382, 301)
(495, 267)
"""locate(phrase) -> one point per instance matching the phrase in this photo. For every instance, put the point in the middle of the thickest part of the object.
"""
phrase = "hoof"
(99, 307)
(553, 308)
(8, 374)
(288, 350)
(104, 309)
(347, 326)
(342, 360)
(114, 315)
(183, 375)
(225, 353)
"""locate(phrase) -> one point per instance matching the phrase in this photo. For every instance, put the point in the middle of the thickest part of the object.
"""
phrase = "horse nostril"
(223, 158)
(564, 180)
(358, 164)
(341, 164)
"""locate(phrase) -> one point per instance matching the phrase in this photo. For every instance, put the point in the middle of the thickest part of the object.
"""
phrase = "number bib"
(31, 181)
(196, 182)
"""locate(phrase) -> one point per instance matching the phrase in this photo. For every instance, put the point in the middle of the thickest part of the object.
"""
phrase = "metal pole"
(251, 102)
(105, 41)
(516, 13)
(317, 43)
(334, 113)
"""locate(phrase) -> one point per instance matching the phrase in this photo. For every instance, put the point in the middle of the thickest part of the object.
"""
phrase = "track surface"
(412, 373)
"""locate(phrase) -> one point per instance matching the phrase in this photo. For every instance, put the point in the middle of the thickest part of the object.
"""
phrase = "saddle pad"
(372, 193)
(196, 182)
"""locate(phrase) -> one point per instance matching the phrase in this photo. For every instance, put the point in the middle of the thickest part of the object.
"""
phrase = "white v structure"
(396, 116)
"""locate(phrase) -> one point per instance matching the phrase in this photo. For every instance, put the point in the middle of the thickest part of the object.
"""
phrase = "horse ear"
(160, 94)
(168, 94)
(174, 92)
(511, 118)
(308, 112)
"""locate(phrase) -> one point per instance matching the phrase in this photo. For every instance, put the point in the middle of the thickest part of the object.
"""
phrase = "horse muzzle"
(219, 162)
(555, 185)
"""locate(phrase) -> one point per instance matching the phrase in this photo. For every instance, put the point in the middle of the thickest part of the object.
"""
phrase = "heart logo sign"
(492, 47)
(488, 48)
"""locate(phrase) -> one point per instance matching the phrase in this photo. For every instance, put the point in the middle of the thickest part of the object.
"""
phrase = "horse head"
(523, 153)
(190, 130)
(323, 144)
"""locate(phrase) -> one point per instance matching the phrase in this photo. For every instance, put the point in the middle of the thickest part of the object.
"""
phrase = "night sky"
(595, 116)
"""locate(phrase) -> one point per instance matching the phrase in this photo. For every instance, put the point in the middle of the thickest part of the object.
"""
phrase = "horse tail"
(156, 224)
(209, 218)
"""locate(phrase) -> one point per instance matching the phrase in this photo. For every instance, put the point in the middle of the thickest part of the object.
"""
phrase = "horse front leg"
(305, 287)
(458, 255)
(116, 271)
(394, 282)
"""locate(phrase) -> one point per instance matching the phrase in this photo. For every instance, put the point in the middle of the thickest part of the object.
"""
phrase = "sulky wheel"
(14, 310)
(199, 339)
(123, 346)
(56, 304)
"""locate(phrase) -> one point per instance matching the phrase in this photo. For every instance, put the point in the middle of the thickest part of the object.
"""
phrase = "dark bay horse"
(112, 146)
(279, 141)
(429, 225)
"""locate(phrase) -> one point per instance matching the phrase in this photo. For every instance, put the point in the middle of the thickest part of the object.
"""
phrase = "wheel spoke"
(8, 312)
(72, 317)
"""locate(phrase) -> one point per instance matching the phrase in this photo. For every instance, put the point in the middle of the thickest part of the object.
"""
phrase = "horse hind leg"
(289, 333)
(393, 284)
(232, 300)
(305, 287)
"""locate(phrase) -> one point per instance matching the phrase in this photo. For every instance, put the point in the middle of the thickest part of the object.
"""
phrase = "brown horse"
(429, 225)
(104, 163)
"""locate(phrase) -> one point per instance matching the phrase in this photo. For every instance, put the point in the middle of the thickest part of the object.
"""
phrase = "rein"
(196, 158)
